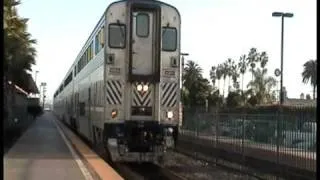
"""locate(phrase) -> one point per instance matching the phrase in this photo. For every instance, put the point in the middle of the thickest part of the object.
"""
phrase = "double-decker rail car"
(122, 93)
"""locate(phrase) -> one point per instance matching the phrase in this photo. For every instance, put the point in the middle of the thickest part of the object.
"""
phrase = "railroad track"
(146, 171)
(252, 166)
(134, 171)
(230, 167)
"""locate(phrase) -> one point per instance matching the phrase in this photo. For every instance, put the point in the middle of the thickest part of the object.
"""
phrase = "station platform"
(50, 151)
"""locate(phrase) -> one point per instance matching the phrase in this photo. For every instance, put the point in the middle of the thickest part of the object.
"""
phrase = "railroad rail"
(146, 171)
(133, 171)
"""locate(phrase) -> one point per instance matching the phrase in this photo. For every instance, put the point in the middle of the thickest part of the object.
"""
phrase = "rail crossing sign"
(277, 72)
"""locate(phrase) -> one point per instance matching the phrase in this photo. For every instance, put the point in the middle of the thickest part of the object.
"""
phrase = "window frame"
(125, 36)
(101, 37)
(176, 39)
(96, 44)
(148, 32)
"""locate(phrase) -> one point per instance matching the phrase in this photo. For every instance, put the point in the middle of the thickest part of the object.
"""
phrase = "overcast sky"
(212, 31)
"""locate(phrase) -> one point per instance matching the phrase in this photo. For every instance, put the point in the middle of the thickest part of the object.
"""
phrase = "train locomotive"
(122, 93)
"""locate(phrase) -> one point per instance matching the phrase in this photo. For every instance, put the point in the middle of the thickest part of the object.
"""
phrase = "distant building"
(299, 102)
(302, 101)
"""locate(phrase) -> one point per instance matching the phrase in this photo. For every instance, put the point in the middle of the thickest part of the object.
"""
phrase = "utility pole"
(35, 78)
(182, 65)
(282, 15)
(44, 90)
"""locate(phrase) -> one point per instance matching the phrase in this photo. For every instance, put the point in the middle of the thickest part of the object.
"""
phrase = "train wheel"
(107, 156)
(161, 160)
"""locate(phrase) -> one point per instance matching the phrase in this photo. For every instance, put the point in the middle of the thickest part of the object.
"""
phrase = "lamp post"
(43, 84)
(282, 15)
(183, 54)
(182, 63)
(35, 77)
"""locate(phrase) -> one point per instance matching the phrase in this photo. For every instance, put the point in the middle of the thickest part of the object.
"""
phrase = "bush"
(35, 110)
(233, 99)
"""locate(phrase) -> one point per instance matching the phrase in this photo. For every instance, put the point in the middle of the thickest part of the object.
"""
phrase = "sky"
(212, 31)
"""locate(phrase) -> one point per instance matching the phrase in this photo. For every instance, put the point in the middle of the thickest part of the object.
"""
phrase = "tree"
(242, 67)
(192, 73)
(185, 96)
(213, 75)
(263, 59)
(252, 59)
(219, 75)
(233, 99)
(225, 73)
(235, 75)
(215, 99)
(253, 100)
(202, 90)
(262, 85)
(196, 88)
(308, 97)
(310, 73)
(18, 51)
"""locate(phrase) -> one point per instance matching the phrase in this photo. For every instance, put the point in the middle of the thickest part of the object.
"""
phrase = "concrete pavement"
(42, 154)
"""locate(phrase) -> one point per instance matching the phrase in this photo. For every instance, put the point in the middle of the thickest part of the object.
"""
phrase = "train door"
(76, 110)
(89, 115)
(142, 43)
(143, 63)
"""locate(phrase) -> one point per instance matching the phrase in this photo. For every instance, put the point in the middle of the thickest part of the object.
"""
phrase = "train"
(122, 92)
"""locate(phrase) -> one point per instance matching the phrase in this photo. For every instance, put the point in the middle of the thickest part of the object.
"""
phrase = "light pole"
(183, 54)
(43, 84)
(35, 77)
(182, 62)
(282, 15)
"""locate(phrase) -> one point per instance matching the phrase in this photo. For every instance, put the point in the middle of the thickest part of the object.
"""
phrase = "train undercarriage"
(139, 141)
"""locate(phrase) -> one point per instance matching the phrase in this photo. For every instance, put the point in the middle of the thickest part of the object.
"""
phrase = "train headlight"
(145, 88)
(169, 114)
(170, 130)
(139, 87)
(114, 113)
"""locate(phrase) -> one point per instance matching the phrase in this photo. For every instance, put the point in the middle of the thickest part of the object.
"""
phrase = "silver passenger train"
(122, 93)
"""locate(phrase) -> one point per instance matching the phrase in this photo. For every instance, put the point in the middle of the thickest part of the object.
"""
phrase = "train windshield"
(117, 35)
(169, 39)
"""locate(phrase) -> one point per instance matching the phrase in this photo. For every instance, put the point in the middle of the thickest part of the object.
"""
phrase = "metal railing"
(281, 138)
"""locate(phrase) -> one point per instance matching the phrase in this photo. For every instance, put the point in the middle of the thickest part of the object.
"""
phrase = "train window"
(97, 44)
(142, 25)
(82, 109)
(89, 52)
(169, 39)
(91, 47)
(102, 37)
(117, 35)
(80, 65)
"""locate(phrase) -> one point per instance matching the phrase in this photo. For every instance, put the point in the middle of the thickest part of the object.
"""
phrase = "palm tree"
(213, 75)
(242, 67)
(224, 72)
(229, 71)
(252, 59)
(261, 85)
(263, 59)
(192, 72)
(310, 73)
(219, 75)
(234, 74)
(18, 51)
